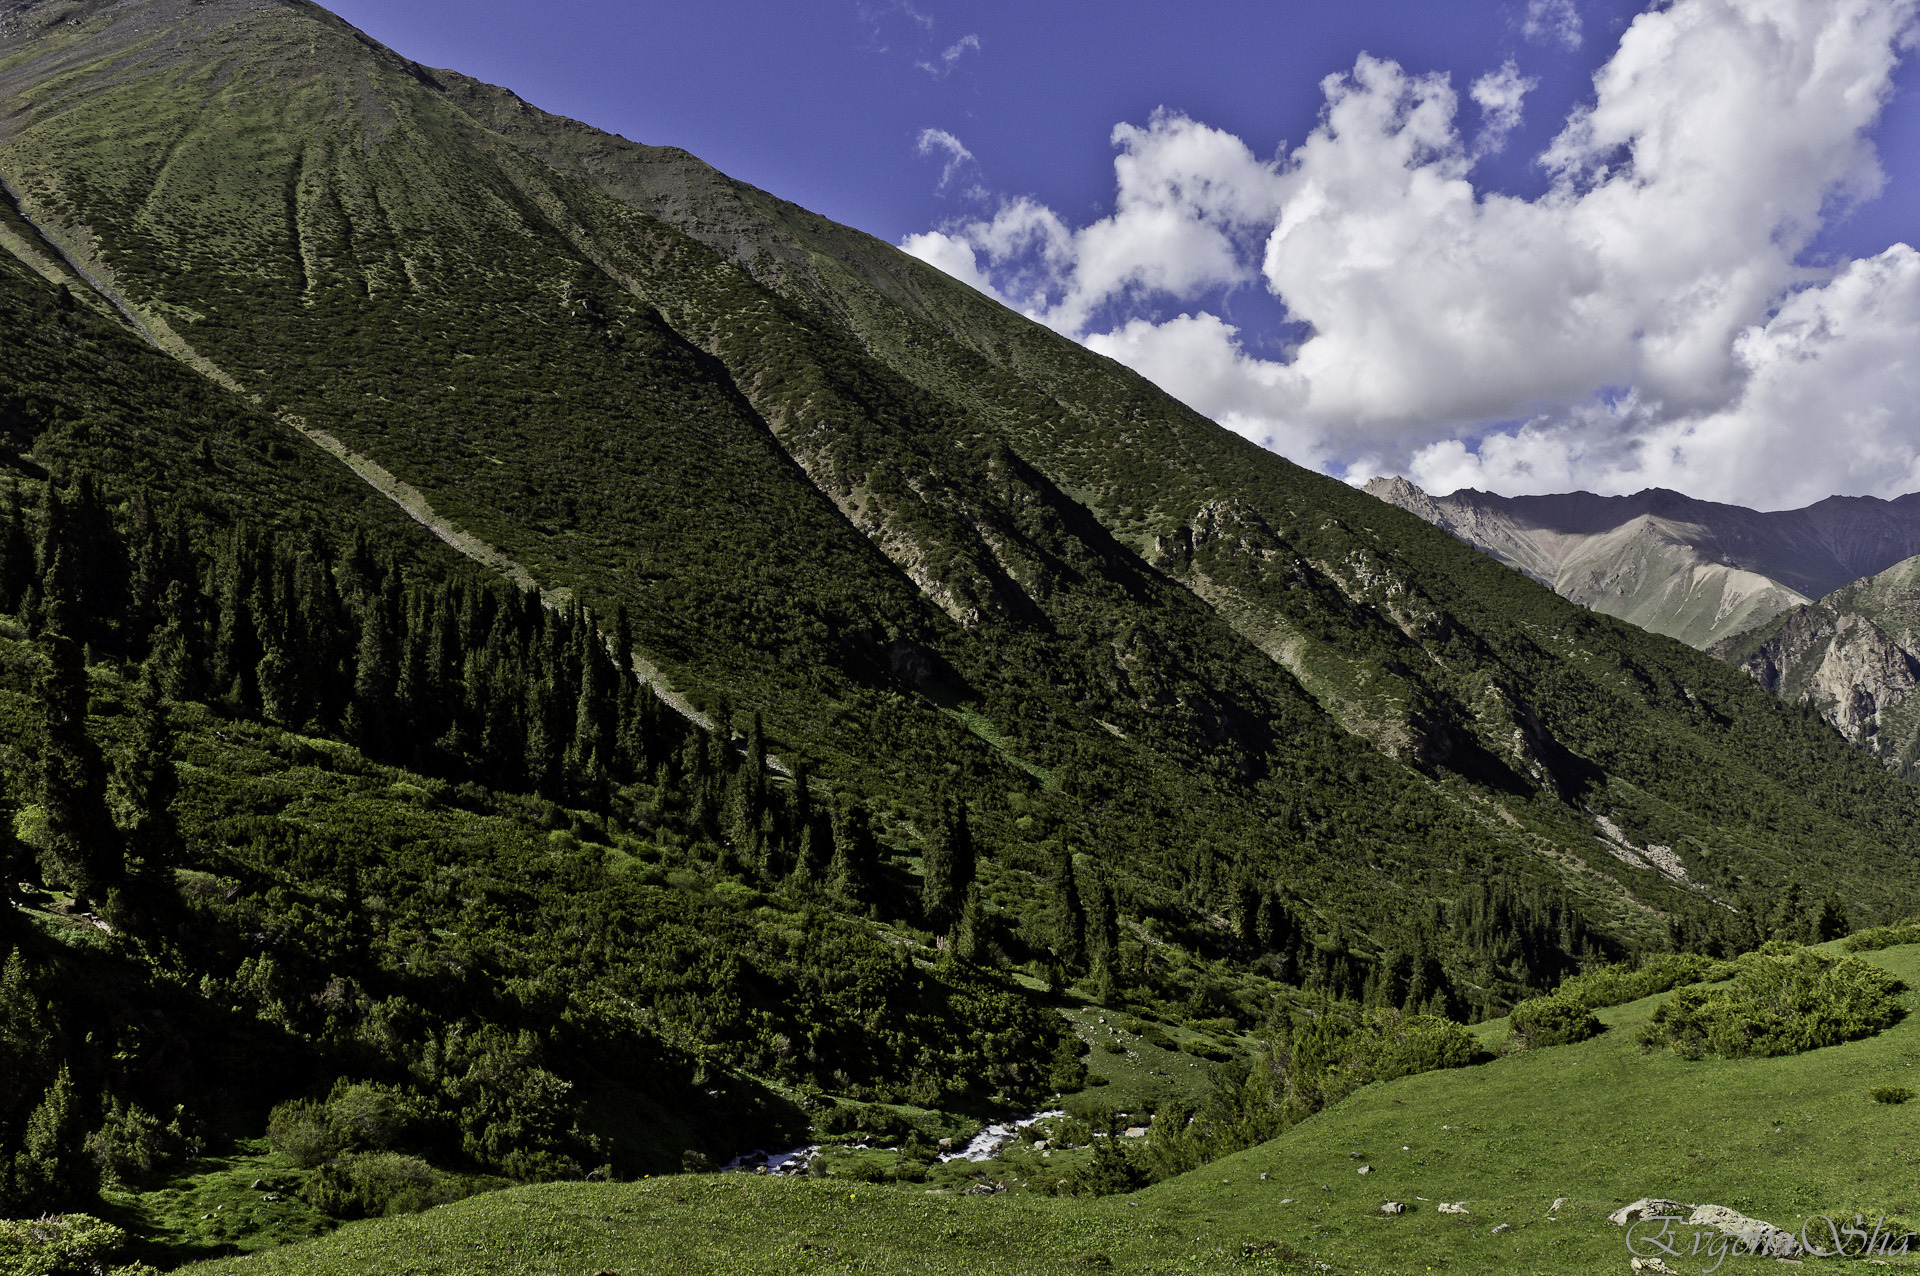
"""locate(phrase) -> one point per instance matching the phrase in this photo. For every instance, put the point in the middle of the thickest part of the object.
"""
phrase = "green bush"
(131, 1144)
(1549, 1021)
(62, 1245)
(1618, 984)
(302, 1131)
(1890, 1094)
(1417, 1043)
(373, 1184)
(1783, 1000)
(1907, 932)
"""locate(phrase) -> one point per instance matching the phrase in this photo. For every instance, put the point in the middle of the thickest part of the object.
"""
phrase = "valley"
(531, 671)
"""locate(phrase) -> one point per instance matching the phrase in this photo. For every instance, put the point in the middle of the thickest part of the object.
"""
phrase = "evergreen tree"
(970, 939)
(1103, 936)
(149, 783)
(83, 845)
(16, 556)
(52, 1172)
(1069, 916)
(854, 872)
(26, 1041)
(1832, 922)
(947, 868)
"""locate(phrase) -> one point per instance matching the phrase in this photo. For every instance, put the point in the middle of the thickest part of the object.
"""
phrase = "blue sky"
(828, 104)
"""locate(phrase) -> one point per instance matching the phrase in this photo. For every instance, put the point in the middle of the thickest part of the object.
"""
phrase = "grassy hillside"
(451, 900)
(1592, 1125)
(924, 537)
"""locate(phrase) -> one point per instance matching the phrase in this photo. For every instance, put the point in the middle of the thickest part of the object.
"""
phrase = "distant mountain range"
(1854, 656)
(1694, 570)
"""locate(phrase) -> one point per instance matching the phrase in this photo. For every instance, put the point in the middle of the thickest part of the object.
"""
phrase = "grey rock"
(1393, 1207)
(1646, 1207)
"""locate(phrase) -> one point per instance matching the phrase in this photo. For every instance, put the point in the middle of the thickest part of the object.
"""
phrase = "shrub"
(1418, 1043)
(131, 1144)
(1907, 932)
(62, 1245)
(1616, 985)
(1549, 1021)
(373, 1184)
(1890, 1094)
(1782, 1000)
(300, 1130)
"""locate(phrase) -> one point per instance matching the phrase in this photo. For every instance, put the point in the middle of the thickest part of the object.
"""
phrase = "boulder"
(1653, 1265)
(1502, 1227)
(1452, 1207)
(1755, 1235)
(1393, 1207)
(1646, 1207)
(1365, 1169)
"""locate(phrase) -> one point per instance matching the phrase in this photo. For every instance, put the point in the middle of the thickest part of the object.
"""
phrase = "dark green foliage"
(83, 850)
(1558, 1020)
(1069, 915)
(1890, 1093)
(132, 1145)
(948, 867)
(1782, 1000)
(853, 874)
(51, 1172)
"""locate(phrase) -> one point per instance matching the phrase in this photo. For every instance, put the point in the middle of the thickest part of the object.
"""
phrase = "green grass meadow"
(1598, 1123)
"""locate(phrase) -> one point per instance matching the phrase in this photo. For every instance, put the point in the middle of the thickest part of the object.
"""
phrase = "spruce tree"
(52, 1172)
(970, 932)
(82, 843)
(947, 868)
(1103, 936)
(149, 783)
(854, 873)
(16, 557)
(26, 1040)
(1069, 915)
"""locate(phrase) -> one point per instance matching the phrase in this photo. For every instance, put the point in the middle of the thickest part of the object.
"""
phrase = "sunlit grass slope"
(1598, 1123)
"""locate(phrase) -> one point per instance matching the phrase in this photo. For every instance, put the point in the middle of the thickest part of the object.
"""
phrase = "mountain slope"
(1693, 570)
(1853, 657)
(932, 543)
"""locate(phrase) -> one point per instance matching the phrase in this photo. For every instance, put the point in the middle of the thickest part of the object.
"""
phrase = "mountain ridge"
(1695, 570)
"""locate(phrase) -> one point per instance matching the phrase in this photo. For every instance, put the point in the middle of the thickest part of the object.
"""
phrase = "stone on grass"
(1365, 1169)
(1646, 1207)
(1756, 1235)
(1452, 1207)
(1394, 1207)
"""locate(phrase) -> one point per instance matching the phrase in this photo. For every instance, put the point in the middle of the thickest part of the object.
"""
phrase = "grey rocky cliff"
(1693, 570)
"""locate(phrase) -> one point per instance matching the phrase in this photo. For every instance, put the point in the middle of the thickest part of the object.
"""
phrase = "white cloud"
(1552, 22)
(950, 57)
(938, 140)
(1499, 94)
(1650, 317)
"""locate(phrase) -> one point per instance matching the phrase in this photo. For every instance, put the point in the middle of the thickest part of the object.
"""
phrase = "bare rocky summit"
(1694, 570)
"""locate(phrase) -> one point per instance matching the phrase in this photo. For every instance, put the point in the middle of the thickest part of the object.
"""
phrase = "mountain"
(1693, 570)
(652, 672)
(1853, 657)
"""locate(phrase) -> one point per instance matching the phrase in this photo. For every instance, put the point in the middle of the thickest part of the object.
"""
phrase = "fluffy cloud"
(1649, 319)
(1552, 22)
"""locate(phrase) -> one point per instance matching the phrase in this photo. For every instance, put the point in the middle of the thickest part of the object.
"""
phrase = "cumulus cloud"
(1500, 95)
(942, 66)
(1649, 319)
(1552, 22)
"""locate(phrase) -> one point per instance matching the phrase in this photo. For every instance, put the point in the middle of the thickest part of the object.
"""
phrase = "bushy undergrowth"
(1617, 984)
(63, 1245)
(1782, 1000)
(1567, 1016)
(1904, 932)
(1549, 1021)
